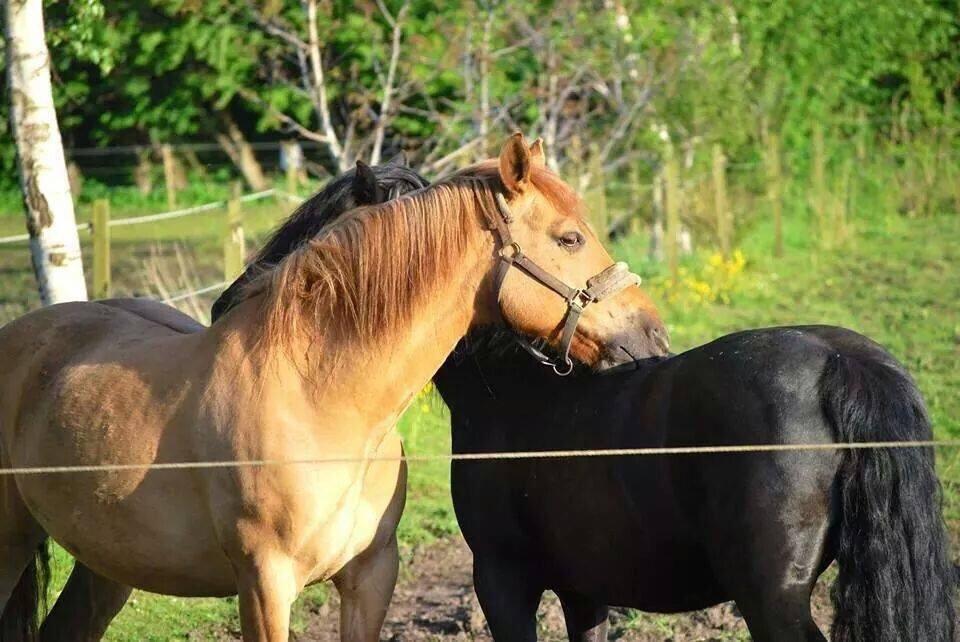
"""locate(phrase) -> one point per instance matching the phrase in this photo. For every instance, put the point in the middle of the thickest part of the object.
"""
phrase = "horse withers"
(317, 361)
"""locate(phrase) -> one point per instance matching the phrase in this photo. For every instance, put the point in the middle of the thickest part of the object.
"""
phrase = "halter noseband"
(604, 284)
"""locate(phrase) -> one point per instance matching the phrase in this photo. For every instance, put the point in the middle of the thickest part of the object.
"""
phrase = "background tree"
(54, 244)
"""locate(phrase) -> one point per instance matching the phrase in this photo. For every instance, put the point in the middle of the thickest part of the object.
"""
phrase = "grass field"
(895, 279)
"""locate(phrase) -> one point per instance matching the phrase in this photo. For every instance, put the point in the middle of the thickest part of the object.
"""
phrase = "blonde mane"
(367, 271)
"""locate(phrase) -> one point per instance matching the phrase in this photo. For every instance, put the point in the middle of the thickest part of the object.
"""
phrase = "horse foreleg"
(85, 608)
(266, 587)
(366, 586)
(509, 597)
(586, 620)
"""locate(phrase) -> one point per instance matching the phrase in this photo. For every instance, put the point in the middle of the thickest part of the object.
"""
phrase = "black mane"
(346, 192)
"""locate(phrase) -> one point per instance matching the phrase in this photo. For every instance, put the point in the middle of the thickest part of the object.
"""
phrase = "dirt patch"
(434, 600)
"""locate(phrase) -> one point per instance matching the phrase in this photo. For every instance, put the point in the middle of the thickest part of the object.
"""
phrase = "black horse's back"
(357, 187)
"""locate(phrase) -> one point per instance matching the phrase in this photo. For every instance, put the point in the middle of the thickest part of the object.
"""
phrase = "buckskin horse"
(317, 361)
(672, 533)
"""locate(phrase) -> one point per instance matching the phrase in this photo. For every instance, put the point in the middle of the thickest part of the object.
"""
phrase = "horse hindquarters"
(895, 581)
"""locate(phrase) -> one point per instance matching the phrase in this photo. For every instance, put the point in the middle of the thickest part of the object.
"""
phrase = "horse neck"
(366, 382)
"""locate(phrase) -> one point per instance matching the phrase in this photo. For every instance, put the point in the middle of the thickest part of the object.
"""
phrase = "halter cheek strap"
(602, 285)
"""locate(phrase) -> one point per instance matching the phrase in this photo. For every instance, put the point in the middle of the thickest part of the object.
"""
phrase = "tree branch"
(397, 25)
(316, 65)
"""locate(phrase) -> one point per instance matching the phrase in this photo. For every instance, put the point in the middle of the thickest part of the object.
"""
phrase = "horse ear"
(399, 160)
(515, 164)
(366, 189)
(536, 153)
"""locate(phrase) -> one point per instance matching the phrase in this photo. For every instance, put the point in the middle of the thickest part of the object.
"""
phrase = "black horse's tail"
(20, 620)
(896, 582)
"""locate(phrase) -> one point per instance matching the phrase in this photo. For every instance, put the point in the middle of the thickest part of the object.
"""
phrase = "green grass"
(895, 279)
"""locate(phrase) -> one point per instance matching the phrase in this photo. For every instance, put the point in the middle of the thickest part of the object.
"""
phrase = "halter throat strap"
(604, 284)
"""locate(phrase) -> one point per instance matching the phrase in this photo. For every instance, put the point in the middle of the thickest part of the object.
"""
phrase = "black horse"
(671, 533)
(682, 532)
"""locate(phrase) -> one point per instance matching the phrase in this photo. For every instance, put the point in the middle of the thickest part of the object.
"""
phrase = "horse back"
(70, 362)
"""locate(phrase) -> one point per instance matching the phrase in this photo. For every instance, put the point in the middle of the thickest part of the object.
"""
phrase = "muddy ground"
(434, 600)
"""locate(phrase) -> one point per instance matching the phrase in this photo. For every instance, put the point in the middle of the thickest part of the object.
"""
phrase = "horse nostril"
(659, 338)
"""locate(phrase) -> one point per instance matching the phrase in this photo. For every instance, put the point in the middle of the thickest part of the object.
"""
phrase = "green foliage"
(132, 71)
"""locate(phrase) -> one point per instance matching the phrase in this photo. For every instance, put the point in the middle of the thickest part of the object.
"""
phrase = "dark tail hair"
(20, 620)
(896, 582)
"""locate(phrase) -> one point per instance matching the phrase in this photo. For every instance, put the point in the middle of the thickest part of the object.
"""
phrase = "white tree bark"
(396, 24)
(320, 100)
(54, 244)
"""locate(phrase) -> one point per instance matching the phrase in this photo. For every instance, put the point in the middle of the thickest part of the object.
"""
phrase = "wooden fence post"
(637, 189)
(169, 175)
(657, 209)
(775, 190)
(575, 163)
(101, 249)
(819, 179)
(233, 243)
(292, 157)
(598, 193)
(863, 131)
(720, 200)
(845, 201)
(672, 179)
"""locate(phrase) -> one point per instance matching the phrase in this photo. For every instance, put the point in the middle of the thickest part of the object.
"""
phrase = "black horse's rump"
(361, 186)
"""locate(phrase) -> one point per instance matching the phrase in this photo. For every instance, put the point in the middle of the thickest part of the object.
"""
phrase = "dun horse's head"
(555, 279)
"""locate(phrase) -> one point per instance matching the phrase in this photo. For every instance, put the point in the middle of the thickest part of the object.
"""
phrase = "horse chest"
(362, 515)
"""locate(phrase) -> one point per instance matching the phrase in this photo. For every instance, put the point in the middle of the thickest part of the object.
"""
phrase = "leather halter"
(604, 284)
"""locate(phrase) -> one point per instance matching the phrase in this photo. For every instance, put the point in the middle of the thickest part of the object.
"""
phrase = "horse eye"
(571, 239)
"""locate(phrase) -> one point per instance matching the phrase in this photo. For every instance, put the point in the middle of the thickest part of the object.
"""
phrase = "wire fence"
(489, 456)
(163, 216)
(192, 293)
(19, 238)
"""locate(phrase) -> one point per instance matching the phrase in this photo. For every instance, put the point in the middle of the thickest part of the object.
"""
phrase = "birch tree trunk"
(54, 244)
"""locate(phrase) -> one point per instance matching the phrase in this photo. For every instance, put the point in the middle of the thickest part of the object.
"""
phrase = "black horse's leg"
(85, 608)
(586, 620)
(769, 562)
(509, 596)
(781, 617)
